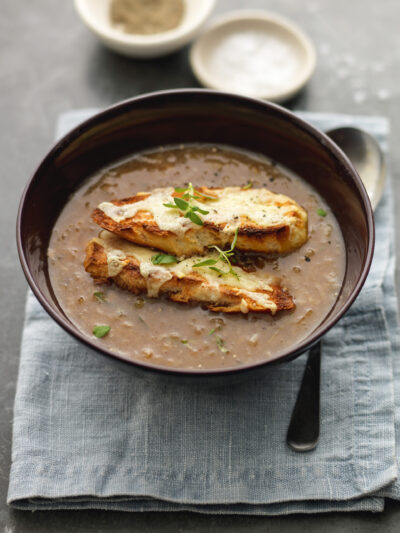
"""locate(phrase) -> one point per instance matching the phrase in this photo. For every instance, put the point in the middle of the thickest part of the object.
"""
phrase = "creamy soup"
(176, 335)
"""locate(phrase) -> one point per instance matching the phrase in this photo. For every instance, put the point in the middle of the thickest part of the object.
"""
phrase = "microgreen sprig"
(224, 256)
(191, 192)
(185, 203)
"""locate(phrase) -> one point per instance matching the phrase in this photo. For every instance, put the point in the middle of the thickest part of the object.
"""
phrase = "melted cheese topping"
(116, 260)
(260, 206)
(156, 275)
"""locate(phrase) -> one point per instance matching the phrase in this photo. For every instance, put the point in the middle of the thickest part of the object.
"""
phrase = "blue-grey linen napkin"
(88, 436)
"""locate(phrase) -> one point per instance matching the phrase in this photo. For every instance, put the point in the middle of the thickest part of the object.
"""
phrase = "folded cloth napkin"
(88, 436)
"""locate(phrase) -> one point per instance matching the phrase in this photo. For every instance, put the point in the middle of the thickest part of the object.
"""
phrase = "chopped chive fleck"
(213, 330)
(249, 185)
(142, 320)
(321, 212)
(100, 297)
(101, 331)
(184, 341)
(221, 345)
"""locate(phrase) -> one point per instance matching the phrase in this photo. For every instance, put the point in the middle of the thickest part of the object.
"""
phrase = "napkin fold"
(89, 436)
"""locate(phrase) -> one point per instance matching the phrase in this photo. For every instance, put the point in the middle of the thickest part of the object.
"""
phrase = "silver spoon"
(368, 159)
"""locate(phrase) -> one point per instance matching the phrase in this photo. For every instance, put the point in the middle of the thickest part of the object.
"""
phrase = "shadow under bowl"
(195, 116)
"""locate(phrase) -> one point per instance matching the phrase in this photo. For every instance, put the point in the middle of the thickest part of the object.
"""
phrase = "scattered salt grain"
(383, 94)
(342, 73)
(348, 59)
(359, 97)
(324, 49)
(378, 67)
(312, 7)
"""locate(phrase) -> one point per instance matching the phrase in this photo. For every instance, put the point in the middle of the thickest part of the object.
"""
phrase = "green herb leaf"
(184, 341)
(100, 297)
(231, 271)
(202, 211)
(213, 330)
(218, 270)
(220, 344)
(207, 262)
(163, 259)
(248, 186)
(182, 204)
(234, 240)
(101, 331)
(194, 218)
(321, 212)
(206, 196)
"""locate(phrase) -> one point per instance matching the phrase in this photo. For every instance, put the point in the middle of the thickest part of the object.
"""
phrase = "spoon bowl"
(367, 158)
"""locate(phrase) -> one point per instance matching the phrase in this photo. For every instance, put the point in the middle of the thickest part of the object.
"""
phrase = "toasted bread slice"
(266, 222)
(130, 267)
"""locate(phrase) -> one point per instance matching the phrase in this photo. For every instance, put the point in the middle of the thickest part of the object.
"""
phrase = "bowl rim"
(139, 41)
(257, 16)
(287, 354)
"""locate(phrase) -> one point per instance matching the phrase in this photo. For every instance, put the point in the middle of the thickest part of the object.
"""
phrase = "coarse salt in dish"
(254, 53)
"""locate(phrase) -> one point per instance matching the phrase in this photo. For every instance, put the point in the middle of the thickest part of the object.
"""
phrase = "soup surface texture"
(169, 334)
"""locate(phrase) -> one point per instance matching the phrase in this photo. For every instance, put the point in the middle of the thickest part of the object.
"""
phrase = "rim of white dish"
(204, 76)
(116, 35)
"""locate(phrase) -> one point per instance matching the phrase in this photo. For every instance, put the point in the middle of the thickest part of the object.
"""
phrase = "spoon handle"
(303, 432)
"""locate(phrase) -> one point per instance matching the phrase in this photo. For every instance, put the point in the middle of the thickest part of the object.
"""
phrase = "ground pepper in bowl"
(146, 17)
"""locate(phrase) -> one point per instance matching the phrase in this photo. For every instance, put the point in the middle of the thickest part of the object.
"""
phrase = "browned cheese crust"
(142, 229)
(191, 288)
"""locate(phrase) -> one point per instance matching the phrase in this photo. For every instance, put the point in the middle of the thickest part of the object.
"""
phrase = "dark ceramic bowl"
(183, 116)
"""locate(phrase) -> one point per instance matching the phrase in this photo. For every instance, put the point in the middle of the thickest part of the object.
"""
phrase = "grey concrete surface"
(50, 63)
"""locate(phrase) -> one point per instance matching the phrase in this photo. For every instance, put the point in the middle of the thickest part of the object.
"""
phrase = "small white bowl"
(255, 53)
(96, 15)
